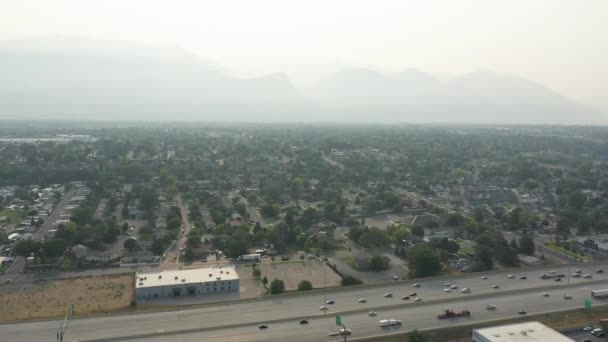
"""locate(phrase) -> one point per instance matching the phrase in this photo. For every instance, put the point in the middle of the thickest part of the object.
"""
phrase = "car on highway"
(388, 295)
(578, 271)
(567, 296)
(330, 302)
(395, 277)
(389, 323)
(588, 276)
(454, 287)
(521, 312)
(576, 275)
(553, 272)
(418, 299)
(466, 290)
(345, 331)
(484, 277)
(523, 277)
(416, 285)
(303, 321)
(447, 290)
(495, 286)
(545, 294)
(8, 280)
(372, 313)
(362, 300)
(262, 326)
(405, 297)
(558, 279)
(412, 294)
(599, 271)
(323, 308)
(491, 307)
(511, 276)
(447, 284)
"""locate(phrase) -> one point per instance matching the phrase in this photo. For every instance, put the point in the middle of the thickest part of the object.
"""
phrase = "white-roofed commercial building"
(520, 332)
(150, 285)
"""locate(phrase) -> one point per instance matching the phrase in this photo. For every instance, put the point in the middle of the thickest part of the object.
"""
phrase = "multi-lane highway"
(236, 321)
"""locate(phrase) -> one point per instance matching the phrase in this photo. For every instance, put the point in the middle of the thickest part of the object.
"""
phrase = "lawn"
(562, 250)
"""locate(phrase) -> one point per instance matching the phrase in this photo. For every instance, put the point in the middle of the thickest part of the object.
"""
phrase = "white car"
(372, 313)
(323, 308)
(495, 286)
(416, 285)
(578, 271)
(588, 276)
(484, 277)
(511, 276)
(447, 290)
(447, 284)
(465, 290)
(576, 275)
(490, 307)
(362, 300)
(454, 287)
(417, 299)
(567, 296)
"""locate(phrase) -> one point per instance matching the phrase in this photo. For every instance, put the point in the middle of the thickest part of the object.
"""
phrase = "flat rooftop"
(199, 275)
(530, 331)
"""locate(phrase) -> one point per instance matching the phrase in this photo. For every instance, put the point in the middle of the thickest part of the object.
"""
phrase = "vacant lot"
(51, 298)
(292, 273)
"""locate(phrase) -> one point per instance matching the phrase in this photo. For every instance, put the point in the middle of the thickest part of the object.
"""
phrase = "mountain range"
(65, 77)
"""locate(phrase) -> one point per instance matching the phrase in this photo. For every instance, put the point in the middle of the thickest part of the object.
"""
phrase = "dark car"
(331, 301)
(303, 321)
(523, 277)
(405, 297)
(522, 312)
(600, 271)
(262, 326)
(558, 279)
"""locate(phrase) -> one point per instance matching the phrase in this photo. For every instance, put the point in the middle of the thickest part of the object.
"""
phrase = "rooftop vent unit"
(218, 278)
(175, 277)
(184, 280)
(211, 275)
(160, 277)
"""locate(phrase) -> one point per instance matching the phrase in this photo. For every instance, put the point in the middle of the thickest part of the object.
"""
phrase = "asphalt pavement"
(237, 321)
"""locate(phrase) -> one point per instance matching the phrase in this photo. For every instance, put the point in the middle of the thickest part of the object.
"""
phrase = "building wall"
(187, 289)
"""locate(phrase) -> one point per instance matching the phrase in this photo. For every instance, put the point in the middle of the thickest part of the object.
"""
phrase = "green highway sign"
(338, 320)
(587, 304)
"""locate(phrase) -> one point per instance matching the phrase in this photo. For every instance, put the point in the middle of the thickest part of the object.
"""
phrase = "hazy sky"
(562, 44)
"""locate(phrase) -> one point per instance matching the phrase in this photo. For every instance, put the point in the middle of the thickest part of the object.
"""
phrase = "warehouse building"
(202, 281)
(520, 332)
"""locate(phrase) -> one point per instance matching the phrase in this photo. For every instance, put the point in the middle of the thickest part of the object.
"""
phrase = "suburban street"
(19, 262)
(237, 321)
(173, 253)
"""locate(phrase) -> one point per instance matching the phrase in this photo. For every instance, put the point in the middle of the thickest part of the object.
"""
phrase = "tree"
(526, 244)
(305, 285)
(269, 210)
(125, 227)
(418, 230)
(374, 237)
(350, 280)
(424, 261)
(256, 273)
(130, 244)
(416, 336)
(238, 245)
(158, 247)
(277, 286)
(265, 280)
(379, 263)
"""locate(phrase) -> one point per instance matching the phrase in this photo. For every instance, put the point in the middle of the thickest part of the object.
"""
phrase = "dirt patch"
(22, 301)
(292, 273)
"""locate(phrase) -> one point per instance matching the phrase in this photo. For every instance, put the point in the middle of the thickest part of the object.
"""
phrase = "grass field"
(22, 301)
(13, 217)
(566, 252)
